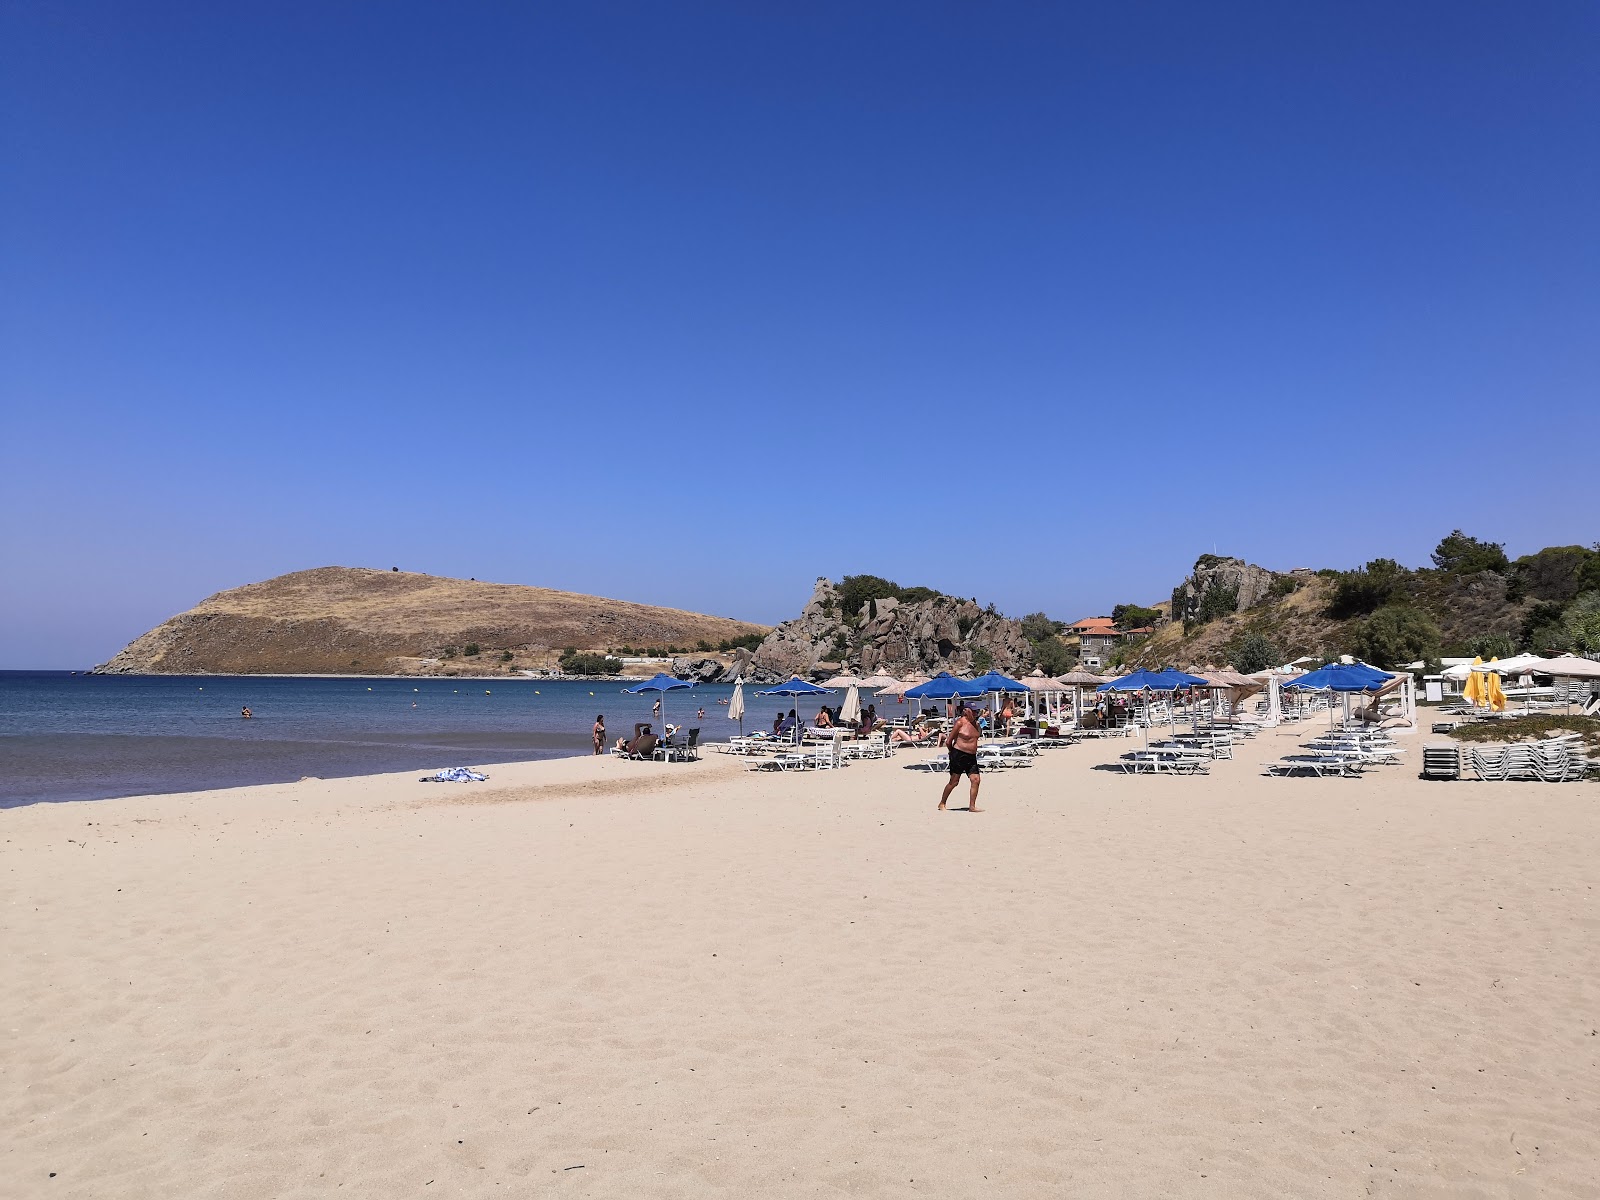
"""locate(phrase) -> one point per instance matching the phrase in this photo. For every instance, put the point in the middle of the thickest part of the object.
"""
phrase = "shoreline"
(689, 979)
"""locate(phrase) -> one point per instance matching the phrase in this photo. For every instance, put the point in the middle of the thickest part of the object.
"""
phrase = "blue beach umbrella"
(1342, 677)
(944, 686)
(1147, 682)
(1143, 681)
(795, 687)
(996, 682)
(661, 683)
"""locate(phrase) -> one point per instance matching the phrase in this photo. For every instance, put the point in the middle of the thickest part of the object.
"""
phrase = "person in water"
(600, 734)
(246, 713)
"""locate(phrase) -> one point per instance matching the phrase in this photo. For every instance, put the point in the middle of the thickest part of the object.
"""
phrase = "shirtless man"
(963, 758)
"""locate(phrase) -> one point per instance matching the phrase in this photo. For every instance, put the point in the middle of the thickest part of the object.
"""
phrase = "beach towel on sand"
(455, 775)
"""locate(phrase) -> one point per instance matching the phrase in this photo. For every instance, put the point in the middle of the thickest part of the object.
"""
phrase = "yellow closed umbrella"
(1494, 694)
(1472, 690)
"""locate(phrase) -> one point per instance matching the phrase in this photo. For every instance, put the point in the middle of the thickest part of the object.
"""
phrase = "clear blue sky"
(597, 296)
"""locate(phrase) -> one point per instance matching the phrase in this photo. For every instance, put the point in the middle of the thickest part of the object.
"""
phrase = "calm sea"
(87, 737)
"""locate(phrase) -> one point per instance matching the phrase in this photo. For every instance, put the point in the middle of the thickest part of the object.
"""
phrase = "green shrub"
(1050, 655)
(1492, 645)
(964, 624)
(1217, 602)
(1580, 624)
(1251, 651)
(1283, 585)
(1459, 554)
(1541, 626)
(472, 649)
(1036, 627)
(583, 662)
(1397, 634)
(747, 641)
(982, 660)
(856, 590)
(506, 656)
(1381, 582)
(1136, 616)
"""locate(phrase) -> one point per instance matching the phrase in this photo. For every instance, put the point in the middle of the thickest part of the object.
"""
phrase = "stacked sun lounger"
(1441, 761)
(1554, 760)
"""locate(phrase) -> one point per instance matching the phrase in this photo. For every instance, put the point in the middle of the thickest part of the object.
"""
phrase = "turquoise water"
(86, 737)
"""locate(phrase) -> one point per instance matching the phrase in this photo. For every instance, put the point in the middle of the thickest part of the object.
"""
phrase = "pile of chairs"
(1555, 760)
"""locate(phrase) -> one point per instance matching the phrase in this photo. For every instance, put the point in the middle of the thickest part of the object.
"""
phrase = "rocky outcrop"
(713, 670)
(938, 634)
(1219, 586)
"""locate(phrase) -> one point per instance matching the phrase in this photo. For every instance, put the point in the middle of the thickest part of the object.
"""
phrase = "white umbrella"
(851, 709)
(879, 681)
(1569, 666)
(840, 681)
(1520, 664)
(736, 705)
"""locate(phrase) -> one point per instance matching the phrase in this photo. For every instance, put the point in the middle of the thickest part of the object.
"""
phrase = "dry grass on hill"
(346, 619)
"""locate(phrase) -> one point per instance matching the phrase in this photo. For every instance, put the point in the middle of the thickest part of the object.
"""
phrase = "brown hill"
(352, 620)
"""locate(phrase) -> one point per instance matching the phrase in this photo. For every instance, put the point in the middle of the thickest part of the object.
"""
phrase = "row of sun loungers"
(1554, 760)
(771, 754)
(1342, 753)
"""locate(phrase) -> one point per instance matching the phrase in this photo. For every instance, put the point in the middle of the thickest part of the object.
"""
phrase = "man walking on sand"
(963, 757)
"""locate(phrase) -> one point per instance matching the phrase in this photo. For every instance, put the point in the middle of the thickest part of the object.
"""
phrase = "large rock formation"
(938, 634)
(334, 620)
(1219, 586)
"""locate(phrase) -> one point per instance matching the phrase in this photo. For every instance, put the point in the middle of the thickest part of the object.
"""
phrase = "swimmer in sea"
(246, 713)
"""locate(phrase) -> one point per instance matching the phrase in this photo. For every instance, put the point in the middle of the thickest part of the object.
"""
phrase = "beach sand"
(598, 978)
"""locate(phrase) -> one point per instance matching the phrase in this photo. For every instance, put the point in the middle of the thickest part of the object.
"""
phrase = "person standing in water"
(600, 734)
(963, 758)
(655, 709)
(246, 713)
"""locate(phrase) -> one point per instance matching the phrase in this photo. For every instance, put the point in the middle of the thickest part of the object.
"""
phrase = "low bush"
(583, 662)
(1251, 652)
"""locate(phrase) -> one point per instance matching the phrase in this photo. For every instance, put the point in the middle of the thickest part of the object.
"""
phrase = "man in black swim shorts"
(963, 758)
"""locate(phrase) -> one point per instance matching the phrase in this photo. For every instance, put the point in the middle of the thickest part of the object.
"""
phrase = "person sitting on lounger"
(823, 721)
(869, 721)
(644, 741)
(918, 735)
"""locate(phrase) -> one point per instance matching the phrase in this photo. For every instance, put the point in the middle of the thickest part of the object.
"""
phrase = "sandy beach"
(599, 978)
